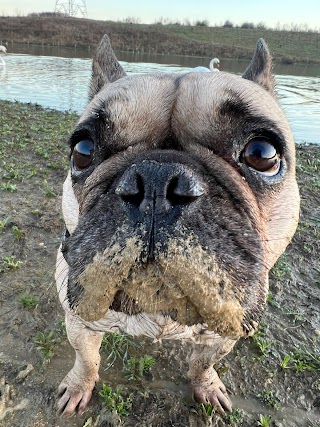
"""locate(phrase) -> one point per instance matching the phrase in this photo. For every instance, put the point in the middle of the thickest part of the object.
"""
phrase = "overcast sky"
(271, 12)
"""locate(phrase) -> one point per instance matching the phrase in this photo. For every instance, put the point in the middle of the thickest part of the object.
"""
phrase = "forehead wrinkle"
(201, 96)
(139, 107)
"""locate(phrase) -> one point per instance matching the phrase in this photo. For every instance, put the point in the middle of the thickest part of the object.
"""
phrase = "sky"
(270, 12)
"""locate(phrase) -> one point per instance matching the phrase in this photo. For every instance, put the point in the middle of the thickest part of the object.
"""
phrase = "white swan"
(213, 67)
(214, 64)
(3, 49)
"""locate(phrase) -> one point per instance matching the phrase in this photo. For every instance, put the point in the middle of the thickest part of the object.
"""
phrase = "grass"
(137, 367)
(114, 401)
(3, 224)
(298, 362)
(9, 263)
(305, 360)
(8, 186)
(38, 127)
(301, 360)
(272, 301)
(234, 418)
(295, 314)
(117, 347)
(205, 409)
(264, 346)
(49, 192)
(284, 363)
(176, 39)
(29, 302)
(281, 268)
(269, 399)
(264, 421)
(18, 234)
(90, 422)
(46, 343)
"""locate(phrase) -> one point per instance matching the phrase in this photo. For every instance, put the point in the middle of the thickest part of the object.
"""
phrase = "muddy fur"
(182, 275)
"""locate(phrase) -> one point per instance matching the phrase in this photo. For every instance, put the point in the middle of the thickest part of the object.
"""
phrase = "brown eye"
(83, 154)
(260, 155)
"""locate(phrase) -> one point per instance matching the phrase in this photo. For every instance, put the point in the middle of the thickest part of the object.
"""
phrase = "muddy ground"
(275, 373)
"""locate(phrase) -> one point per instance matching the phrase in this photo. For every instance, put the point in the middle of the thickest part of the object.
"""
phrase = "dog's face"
(181, 195)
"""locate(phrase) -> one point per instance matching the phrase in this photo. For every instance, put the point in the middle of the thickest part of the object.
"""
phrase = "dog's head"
(181, 194)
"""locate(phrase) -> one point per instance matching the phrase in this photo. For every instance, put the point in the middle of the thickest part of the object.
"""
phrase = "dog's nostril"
(131, 189)
(183, 189)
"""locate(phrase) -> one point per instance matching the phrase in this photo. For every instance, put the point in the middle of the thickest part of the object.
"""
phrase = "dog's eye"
(83, 154)
(260, 155)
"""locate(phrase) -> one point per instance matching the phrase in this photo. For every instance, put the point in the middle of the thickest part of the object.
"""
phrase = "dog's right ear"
(105, 67)
(260, 68)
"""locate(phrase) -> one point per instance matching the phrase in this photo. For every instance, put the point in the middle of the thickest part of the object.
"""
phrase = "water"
(61, 82)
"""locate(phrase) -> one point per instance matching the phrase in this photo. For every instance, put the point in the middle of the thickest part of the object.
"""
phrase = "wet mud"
(275, 373)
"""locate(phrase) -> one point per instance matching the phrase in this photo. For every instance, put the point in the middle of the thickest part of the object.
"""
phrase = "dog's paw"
(74, 394)
(213, 392)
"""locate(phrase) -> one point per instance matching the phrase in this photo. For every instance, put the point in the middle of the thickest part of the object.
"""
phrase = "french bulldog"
(181, 196)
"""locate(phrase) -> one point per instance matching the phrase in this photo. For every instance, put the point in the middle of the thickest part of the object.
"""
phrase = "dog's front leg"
(76, 388)
(206, 384)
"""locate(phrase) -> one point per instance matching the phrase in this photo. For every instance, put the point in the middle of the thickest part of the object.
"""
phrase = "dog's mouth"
(183, 282)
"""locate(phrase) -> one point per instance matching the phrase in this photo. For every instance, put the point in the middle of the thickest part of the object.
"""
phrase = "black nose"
(155, 188)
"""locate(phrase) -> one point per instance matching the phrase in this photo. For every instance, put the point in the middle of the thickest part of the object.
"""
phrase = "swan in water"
(213, 66)
(3, 49)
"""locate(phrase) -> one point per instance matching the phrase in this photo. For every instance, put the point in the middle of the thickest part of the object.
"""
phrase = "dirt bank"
(275, 373)
(234, 43)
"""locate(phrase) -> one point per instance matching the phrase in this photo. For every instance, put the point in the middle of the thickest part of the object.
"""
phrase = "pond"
(58, 78)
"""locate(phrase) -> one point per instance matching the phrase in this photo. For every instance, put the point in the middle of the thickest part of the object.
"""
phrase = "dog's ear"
(260, 68)
(105, 67)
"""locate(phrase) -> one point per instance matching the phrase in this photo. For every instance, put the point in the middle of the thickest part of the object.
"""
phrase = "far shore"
(287, 47)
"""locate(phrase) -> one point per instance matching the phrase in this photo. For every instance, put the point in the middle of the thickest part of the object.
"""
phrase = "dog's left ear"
(260, 68)
(105, 67)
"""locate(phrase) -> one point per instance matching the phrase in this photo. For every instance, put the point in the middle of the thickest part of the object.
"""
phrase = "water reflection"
(62, 83)
(230, 65)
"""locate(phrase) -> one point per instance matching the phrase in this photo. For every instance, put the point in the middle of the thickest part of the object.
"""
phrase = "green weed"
(301, 360)
(284, 364)
(304, 360)
(37, 212)
(18, 234)
(7, 186)
(117, 347)
(9, 263)
(3, 224)
(259, 339)
(114, 401)
(281, 268)
(234, 418)
(28, 301)
(264, 420)
(272, 301)
(49, 192)
(205, 409)
(91, 422)
(136, 367)
(269, 399)
(10, 172)
(263, 345)
(296, 315)
(46, 343)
